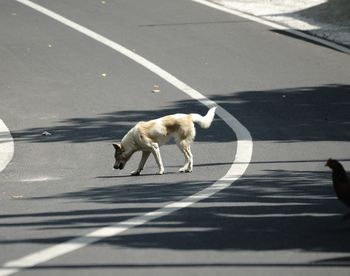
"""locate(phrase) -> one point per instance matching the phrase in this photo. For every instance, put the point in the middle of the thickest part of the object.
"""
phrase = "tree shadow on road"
(292, 114)
(114, 125)
(271, 210)
(280, 210)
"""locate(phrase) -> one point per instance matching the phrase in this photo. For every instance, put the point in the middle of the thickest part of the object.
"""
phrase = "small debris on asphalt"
(17, 196)
(156, 88)
(46, 133)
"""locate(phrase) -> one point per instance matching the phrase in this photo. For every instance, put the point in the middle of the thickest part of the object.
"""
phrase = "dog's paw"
(135, 173)
(185, 170)
(161, 172)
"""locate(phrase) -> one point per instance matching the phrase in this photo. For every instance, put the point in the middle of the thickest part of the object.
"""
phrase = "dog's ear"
(117, 146)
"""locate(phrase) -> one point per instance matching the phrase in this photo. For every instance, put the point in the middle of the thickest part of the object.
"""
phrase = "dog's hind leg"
(186, 150)
(156, 153)
(145, 155)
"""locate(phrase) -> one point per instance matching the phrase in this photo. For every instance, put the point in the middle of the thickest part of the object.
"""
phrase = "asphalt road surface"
(293, 96)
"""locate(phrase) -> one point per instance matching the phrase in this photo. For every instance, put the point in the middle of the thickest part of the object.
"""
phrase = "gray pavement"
(280, 218)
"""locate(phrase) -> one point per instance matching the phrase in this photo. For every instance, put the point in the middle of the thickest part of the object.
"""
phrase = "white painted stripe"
(40, 179)
(274, 25)
(243, 156)
(6, 146)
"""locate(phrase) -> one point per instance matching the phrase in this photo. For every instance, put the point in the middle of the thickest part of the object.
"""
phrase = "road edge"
(275, 25)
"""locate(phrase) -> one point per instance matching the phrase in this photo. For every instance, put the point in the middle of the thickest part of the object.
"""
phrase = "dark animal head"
(335, 165)
(330, 163)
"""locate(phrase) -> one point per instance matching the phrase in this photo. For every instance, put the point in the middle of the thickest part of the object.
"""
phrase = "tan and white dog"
(149, 136)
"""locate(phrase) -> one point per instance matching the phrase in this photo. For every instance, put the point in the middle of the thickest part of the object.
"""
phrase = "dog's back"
(179, 126)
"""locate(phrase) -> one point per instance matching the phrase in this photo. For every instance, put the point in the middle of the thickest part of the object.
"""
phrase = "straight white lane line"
(241, 161)
(6, 146)
(275, 25)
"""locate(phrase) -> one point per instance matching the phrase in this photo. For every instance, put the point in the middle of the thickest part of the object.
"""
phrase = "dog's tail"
(204, 121)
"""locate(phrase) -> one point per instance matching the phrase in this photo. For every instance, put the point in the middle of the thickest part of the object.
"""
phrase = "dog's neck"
(128, 144)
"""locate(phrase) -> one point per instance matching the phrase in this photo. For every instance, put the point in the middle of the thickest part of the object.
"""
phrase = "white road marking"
(40, 179)
(242, 159)
(275, 25)
(6, 146)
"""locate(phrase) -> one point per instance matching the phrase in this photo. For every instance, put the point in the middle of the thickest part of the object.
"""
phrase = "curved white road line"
(6, 146)
(242, 159)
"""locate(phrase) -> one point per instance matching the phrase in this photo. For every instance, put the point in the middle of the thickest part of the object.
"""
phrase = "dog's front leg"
(145, 155)
(156, 154)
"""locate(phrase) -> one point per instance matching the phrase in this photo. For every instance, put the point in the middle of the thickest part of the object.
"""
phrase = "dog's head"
(120, 157)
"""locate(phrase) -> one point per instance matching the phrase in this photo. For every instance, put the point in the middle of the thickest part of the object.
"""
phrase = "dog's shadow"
(141, 175)
(166, 173)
